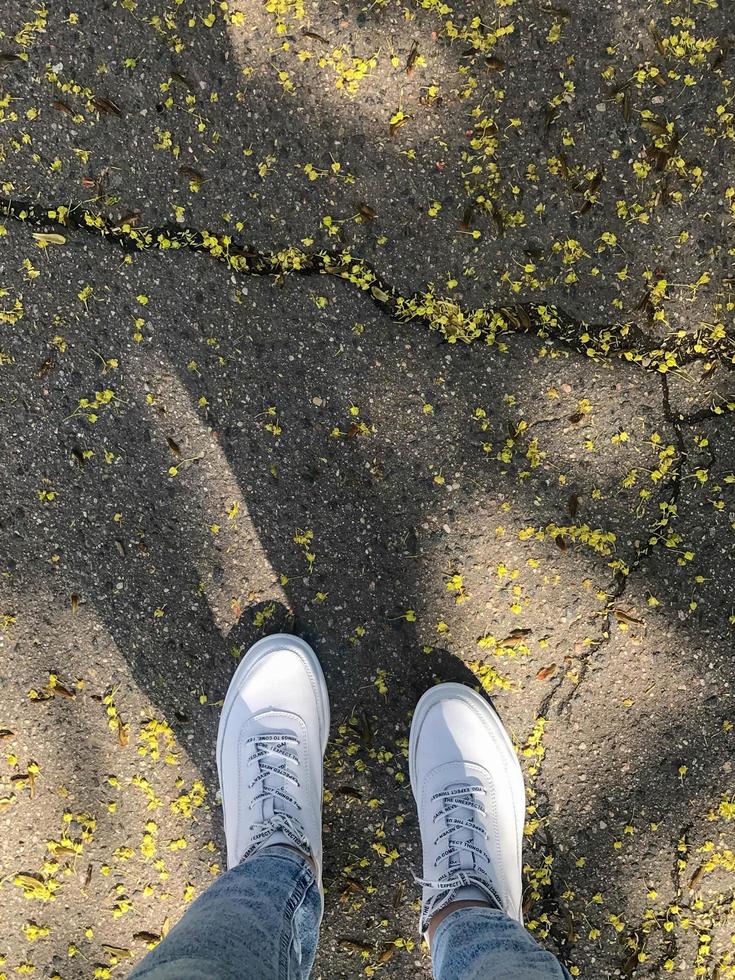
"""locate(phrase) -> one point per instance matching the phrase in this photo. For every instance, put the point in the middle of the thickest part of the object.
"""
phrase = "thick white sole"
(277, 641)
(509, 761)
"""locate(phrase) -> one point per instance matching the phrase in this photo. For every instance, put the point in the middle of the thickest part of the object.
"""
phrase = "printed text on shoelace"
(447, 885)
(268, 749)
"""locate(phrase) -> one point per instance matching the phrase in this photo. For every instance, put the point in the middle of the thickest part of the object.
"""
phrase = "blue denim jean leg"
(486, 944)
(257, 921)
(260, 921)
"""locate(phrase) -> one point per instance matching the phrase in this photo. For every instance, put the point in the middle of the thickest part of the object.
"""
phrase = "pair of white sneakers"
(465, 777)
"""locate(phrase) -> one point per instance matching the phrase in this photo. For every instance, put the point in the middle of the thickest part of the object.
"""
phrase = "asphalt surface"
(194, 458)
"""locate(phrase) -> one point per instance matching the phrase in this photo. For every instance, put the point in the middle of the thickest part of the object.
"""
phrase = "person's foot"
(469, 792)
(270, 750)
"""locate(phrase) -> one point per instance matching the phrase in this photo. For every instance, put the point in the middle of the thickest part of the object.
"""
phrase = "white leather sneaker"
(469, 792)
(270, 750)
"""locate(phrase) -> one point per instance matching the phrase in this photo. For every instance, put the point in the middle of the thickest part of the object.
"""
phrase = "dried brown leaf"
(107, 106)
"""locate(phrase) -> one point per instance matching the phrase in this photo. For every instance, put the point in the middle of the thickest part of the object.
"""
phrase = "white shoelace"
(446, 885)
(274, 761)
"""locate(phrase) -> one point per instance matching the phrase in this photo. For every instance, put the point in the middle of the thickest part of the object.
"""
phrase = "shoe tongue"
(268, 805)
(461, 859)
(273, 803)
(278, 837)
